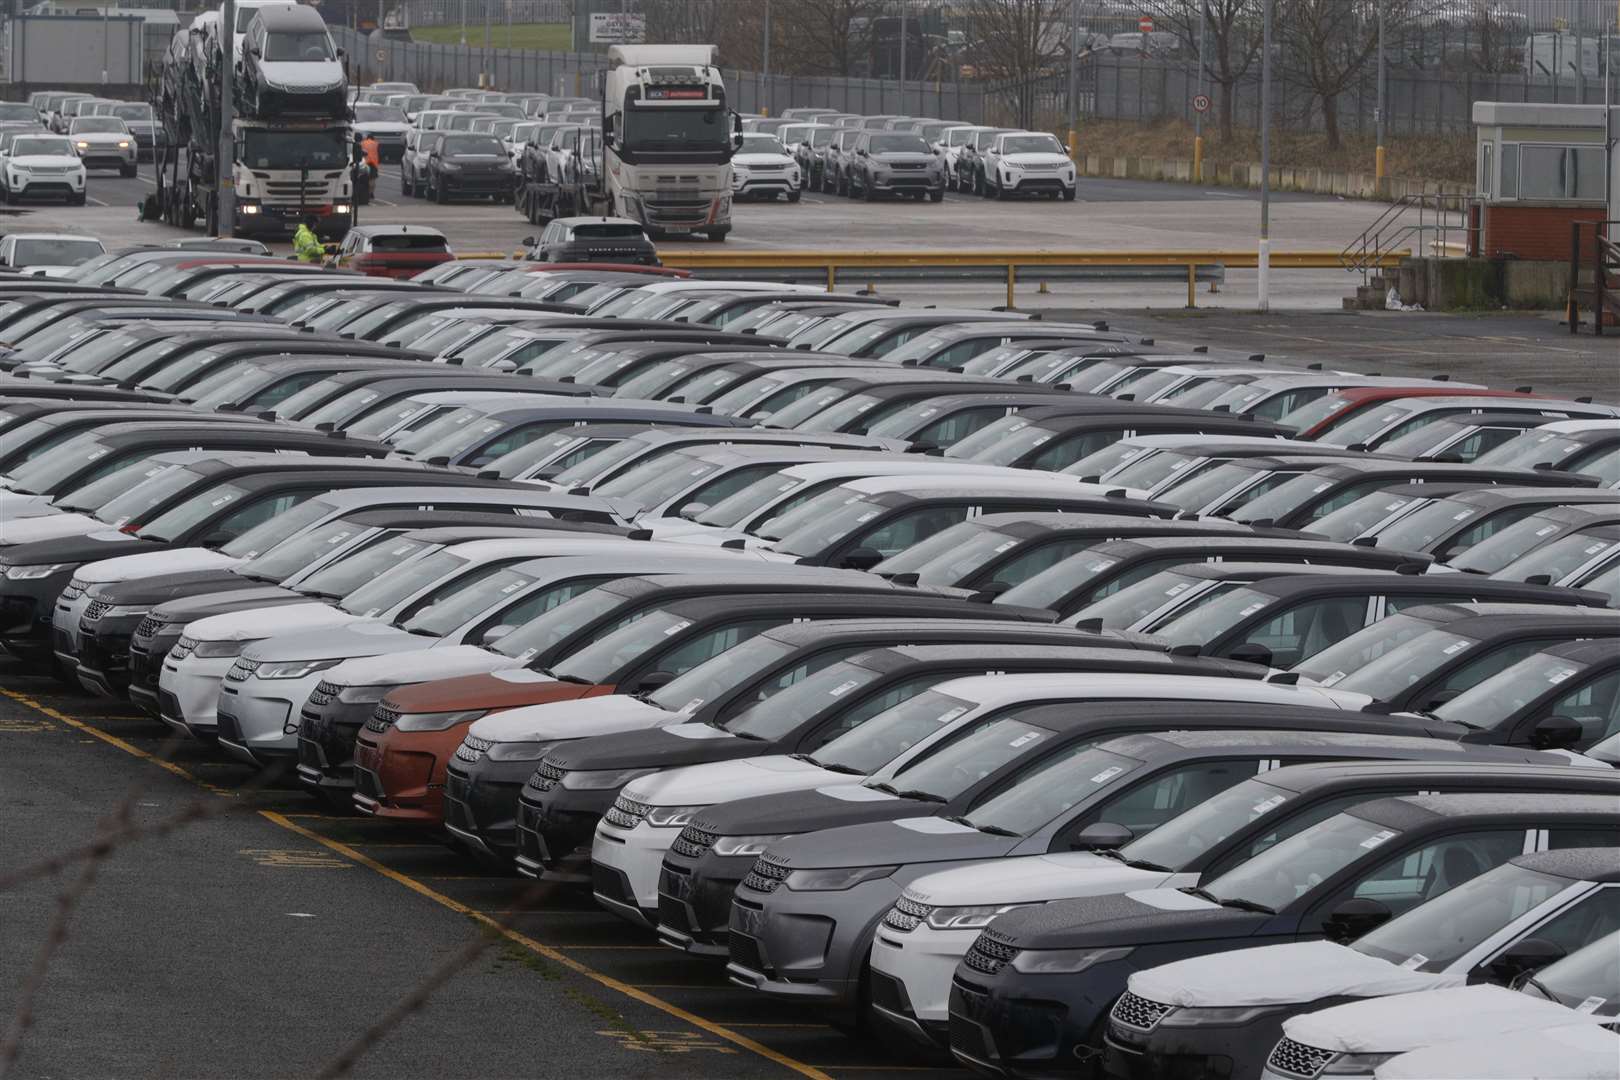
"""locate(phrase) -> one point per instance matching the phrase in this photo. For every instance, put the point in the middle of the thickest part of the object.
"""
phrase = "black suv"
(593, 239)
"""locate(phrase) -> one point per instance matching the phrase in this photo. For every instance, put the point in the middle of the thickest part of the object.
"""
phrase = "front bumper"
(480, 804)
(807, 946)
(67, 614)
(147, 652)
(35, 184)
(1022, 183)
(772, 184)
(257, 218)
(188, 693)
(107, 158)
(258, 718)
(908, 181)
(556, 825)
(694, 900)
(1167, 1052)
(400, 775)
(1031, 1026)
(915, 970)
(327, 729)
(104, 645)
(465, 183)
(636, 856)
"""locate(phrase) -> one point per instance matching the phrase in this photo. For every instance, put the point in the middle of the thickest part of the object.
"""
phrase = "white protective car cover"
(1063, 875)
(1572, 1052)
(580, 719)
(150, 563)
(1400, 1023)
(259, 623)
(428, 662)
(723, 781)
(15, 506)
(301, 74)
(1281, 975)
(55, 526)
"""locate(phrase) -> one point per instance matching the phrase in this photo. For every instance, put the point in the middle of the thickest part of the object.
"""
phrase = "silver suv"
(894, 163)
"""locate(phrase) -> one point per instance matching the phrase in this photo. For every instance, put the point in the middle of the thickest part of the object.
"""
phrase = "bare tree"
(1018, 42)
(1326, 44)
(825, 37)
(1231, 37)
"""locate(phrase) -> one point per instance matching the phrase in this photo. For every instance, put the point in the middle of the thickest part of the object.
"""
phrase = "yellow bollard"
(1192, 285)
(1198, 159)
(832, 278)
(1074, 145)
(1378, 167)
(1043, 290)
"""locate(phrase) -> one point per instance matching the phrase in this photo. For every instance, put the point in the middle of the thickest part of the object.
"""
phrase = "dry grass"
(1438, 157)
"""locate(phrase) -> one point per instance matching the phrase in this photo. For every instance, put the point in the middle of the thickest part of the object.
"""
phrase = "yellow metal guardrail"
(832, 262)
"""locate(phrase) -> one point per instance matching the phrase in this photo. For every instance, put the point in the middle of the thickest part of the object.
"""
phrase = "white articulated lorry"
(668, 137)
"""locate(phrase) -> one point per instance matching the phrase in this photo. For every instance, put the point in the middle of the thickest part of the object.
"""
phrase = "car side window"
(535, 605)
(909, 528)
(1595, 705)
(1406, 880)
(1306, 629)
(1149, 804)
(1296, 821)
(856, 715)
(1593, 916)
(689, 654)
(1603, 464)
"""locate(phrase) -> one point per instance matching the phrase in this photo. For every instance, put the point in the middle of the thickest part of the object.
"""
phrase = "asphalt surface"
(267, 937)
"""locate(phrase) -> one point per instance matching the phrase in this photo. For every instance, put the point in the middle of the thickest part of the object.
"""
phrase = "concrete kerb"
(1241, 174)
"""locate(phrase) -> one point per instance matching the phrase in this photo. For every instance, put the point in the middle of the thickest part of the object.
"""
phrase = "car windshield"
(762, 493)
(471, 146)
(380, 555)
(805, 700)
(1586, 976)
(601, 660)
(133, 112)
(1433, 936)
(443, 423)
(1206, 486)
(1352, 519)
(1020, 440)
(37, 146)
(1208, 621)
(1367, 424)
(733, 668)
(1558, 559)
(1490, 703)
(1508, 544)
(607, 460)
(835, 524)
(1530, 449)
(1286, 871)
(538, 637)
(278, 529)
(1182, 840)
(119, 481)
(1295, 492)
(1149, 470)
(296, 554)
(461, 606)
(1399, 670)
(843, 414)
(390, 589)
(1330, 666)
(1031, 144)
(375, 113)
(897, 144)
(890, 733)
(1135, 602)
(191, 512)
(967, 760)
(98, 124)
(137, 500)
(1055, 787)
(276, 148)
(762, 144)
(1312, 413)
(289, 45)
(653, 482)
(1077, 575)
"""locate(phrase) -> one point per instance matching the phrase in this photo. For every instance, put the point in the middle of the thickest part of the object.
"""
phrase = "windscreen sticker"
(950, 714)
(1591, 1004)
(1265, 806)
(1377, 838)
(1107, 774)
(1415, 961)
(1560, 675)
(1025, 739)
(678, 627)
(1455, 647)
(1251, 609)
(843, 688)
(1003, 547)
(1333, 678)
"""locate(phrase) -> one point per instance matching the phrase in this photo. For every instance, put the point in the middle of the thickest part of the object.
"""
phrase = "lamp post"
(1265, 163)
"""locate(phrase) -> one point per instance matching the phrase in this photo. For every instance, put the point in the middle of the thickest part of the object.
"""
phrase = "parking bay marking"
(555, 956)
(295, 859)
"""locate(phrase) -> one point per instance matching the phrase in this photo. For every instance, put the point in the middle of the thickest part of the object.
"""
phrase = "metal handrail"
(1605, 260)
(1389, 231)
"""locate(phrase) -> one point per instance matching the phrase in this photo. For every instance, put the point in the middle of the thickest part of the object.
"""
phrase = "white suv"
(1025, 163)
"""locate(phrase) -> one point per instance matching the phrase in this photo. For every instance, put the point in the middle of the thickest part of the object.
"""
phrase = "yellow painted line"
(635, 993)
(113, 740)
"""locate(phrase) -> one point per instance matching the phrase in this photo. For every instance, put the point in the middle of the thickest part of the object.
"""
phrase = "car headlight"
(84, 146)
(219, 650)
(752, 846)
(971, 917)
(1354, 1064)
(362, 695)
(1226, 1017)
(449, 166)
(598, 779)
(672, 817)
(1064, 961)
(341, 208)
(295, 669)
(837, 878)
(124, 611)
(518, 751)
(435, 721)
(123, 146)
(33, 571)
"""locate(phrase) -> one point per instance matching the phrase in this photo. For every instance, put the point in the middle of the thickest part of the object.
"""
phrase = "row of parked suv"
(869, 156)
(1056, 701)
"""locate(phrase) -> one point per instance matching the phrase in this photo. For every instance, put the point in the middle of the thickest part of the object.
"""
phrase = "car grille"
(75, 588)
(987, 956)
(766, 876)
(1138, 1012)
(545, 777)
(906, 915)
(241, 671)
(457, 813)
(96, 610)
(149, 627)
(626, 813)
(907, 165)
(1047, 166)
(382, 718)
(323, 694)
(472, 749)
(369, 784)
(182, 648)
(1297, 1058)
(693, 842)
(745, 952)
(766, 168)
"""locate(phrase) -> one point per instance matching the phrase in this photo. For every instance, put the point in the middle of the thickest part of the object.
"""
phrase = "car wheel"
(717, 236)
(937, 195)
(76, 200)
(1069, 193)
(795, 195)
(441, 194)
(1001, 193)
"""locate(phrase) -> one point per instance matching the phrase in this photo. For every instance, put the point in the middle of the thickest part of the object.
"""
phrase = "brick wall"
(1533, 232)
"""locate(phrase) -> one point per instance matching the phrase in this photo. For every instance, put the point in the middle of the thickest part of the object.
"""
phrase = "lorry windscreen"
(662, 128)
(264, 149)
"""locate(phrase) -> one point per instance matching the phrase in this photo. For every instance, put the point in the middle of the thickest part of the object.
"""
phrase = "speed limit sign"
(1201, 103)
(382, 54)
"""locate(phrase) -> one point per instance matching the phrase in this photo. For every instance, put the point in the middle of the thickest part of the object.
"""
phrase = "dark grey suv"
(894, 163)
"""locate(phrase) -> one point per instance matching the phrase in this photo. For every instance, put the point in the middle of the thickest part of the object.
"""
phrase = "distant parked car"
(593, 239)
(395, 251)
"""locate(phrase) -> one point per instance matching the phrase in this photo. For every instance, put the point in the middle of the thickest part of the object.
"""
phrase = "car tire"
(795, 195)
(1001, 193)
(937, 195)
(1070, 192)
(717, 236)
(76, 200)
(441, 194)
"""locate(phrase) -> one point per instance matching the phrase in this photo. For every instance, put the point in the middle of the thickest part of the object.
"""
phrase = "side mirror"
(1555, 733)
(495, 633)
(1440, 698)
(1538, 579)
(654, 680)
(862, 559)
(216, 539)
(691, 511)
(528, 241)
(1102, 836)
(1353, 918)
(1251, 653)
(1522, 958)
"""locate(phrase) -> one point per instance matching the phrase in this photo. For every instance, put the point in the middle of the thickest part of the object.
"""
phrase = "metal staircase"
(1425, 224)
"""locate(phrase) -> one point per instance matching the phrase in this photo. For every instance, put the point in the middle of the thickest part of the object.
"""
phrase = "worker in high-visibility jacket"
(306, 245)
